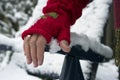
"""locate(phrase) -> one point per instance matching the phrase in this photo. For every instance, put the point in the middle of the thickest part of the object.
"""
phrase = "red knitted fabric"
(73, 8)
(68, 11)
(49, 27)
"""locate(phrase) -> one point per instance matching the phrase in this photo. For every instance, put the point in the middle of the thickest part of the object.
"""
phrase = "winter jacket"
(58, 16)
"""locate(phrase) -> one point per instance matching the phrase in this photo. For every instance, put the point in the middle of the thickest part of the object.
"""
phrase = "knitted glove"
(66, 11)
(51, 25)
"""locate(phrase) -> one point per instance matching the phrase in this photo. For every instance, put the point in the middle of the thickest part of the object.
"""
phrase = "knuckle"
(39, 58)
(28, 57)
(25, 41)
(34, 57)
(26, 38)
(42, 39)
(26, 46)
(38, 43)
(32, 42)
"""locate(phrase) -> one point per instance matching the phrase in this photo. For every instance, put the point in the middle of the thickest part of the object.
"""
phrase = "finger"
(25, 43)
(27, 49)
(65, 46)
(64, 39)
(41, 42)
(33, 49)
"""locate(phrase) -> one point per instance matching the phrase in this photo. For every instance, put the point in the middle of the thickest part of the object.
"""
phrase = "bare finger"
(41, 42)
(27, 49)
(33, 50)
(64, 46)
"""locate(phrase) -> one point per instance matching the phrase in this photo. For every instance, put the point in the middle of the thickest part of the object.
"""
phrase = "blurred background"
(14, 14)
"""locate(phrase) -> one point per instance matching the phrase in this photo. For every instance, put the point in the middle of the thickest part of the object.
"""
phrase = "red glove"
(49, 27)
(59, 27)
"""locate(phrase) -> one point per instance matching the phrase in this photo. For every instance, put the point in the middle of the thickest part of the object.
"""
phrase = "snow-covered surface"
(90, 28)
(107, 71)
(15, 43)
(5, 60)
(13, 72)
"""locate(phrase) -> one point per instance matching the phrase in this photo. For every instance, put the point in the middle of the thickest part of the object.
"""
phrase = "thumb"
(64, 39)
(65, 46)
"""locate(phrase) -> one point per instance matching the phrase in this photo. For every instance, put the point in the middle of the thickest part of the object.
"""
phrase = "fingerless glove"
(58, 16)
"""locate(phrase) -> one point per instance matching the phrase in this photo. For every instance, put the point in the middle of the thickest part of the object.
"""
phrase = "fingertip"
(40, 63)
(67, 50)
(64, 46)
(29, 61)
(35, 65)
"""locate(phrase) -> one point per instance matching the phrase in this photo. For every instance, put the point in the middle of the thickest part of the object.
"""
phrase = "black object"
(71, 69)
(4, 47)
(78, 52)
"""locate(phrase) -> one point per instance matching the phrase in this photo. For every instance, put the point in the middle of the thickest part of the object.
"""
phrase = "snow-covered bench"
(85, 40)
(86, 45)
(71, 69)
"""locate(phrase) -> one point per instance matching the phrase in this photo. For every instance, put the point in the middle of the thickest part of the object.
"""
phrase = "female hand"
(34, 46)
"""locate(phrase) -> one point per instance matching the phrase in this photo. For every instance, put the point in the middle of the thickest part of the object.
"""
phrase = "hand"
(34, 46)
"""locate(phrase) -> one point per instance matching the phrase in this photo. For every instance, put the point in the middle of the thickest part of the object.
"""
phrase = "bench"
(71, 69)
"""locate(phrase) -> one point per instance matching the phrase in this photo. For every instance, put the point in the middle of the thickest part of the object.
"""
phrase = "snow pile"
(107, 71)
(5, 40)
(15, 43)
(13, 72)
(91, 24)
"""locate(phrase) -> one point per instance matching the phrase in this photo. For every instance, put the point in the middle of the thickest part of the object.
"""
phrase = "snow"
(13, 72)
(52, 65)
(86, 44)
(6, 40)
(15, 43)
(5, 60)
(107, 71)
(89, 35)
(89, 28)
(90, 23)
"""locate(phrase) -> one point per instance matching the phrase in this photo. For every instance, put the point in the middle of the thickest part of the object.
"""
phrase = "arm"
(64, 14)
(68, 10)
(72, 8)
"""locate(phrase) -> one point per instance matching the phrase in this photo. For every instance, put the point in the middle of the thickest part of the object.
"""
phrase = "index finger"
(27, 49)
